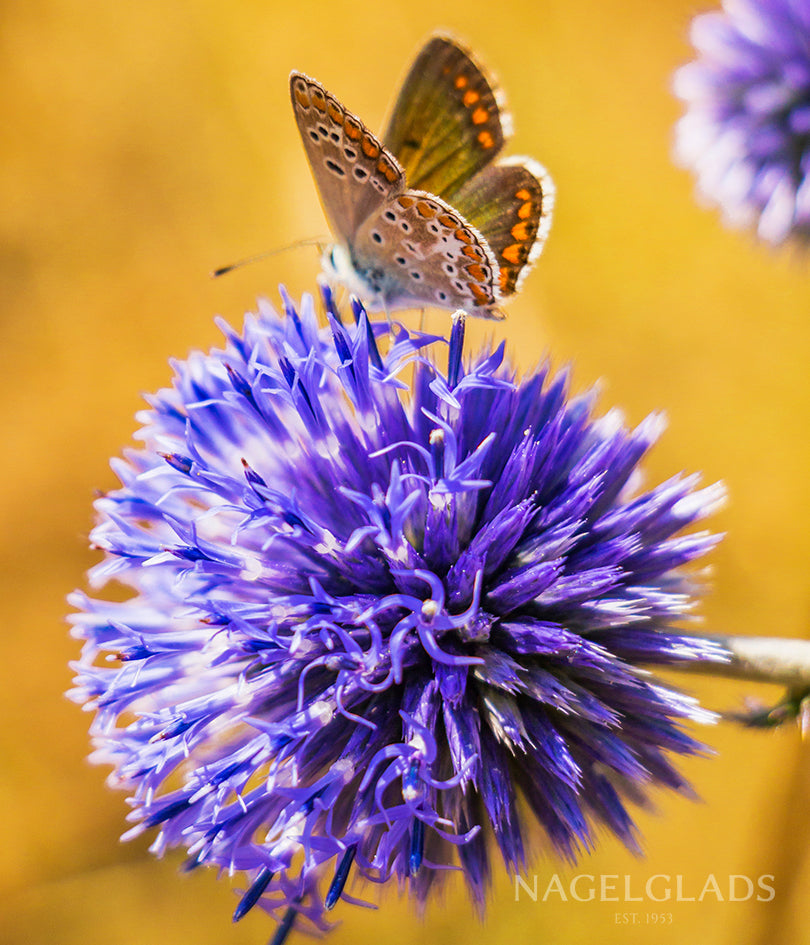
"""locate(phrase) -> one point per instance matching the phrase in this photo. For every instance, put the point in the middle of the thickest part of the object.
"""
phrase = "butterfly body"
(427, 217)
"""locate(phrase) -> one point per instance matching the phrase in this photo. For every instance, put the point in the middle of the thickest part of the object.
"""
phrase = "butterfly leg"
(388, 319)
(342, 297)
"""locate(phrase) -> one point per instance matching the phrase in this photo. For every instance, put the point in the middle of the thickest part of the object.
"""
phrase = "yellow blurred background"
(145, 143)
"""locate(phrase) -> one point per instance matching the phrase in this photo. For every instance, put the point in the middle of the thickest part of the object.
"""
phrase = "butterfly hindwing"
(447, 123)
(416, 250)
(353, 172)
(510, 204)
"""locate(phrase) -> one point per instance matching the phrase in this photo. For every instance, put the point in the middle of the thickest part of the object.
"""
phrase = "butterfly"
(426, 216)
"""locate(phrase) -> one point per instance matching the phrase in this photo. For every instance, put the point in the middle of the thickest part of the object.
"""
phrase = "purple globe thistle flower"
(369, 614)
(746, 131)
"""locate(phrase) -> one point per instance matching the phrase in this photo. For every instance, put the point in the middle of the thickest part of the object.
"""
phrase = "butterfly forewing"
(354, 173)
(510, 204)
(447, 123)
(431, 256)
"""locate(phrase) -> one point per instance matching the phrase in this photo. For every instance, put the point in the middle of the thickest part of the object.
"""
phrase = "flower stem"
(759, 659)
(769, 660)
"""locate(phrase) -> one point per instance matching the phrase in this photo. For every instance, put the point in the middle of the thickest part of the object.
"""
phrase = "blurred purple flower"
(374, 602)
(746, 131)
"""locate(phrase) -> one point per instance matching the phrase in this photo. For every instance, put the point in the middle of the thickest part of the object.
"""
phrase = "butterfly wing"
(416, 250)
(447, 122)
(510, 204)
(411, 247)
(353, 172)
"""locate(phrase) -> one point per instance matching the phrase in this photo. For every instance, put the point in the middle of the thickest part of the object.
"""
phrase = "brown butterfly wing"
(510, 204)
(416, 250)
(447, 123)
(353, 172)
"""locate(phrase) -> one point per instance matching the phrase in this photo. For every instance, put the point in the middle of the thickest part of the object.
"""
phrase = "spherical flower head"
(378, 594)
(746, 131)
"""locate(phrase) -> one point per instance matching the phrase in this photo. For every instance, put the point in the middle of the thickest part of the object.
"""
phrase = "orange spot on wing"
(334, 111)
(523, 194)
(352, 128)
(426, 210)
(473, 252)
(463, 235)
(406, 202)
(387, 169)
(301, 95)
(522, 231)
(525, 210)
(447, 220)
(512, 254)
(477, 272)
(503, 278)
(470, 97)
(479, 116)
(318, 99)
(461, 81)
(486, 140)
(481, 297)
(370, 147)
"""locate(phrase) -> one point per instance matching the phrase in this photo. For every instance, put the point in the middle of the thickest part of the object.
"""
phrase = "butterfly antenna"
(318, 241)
